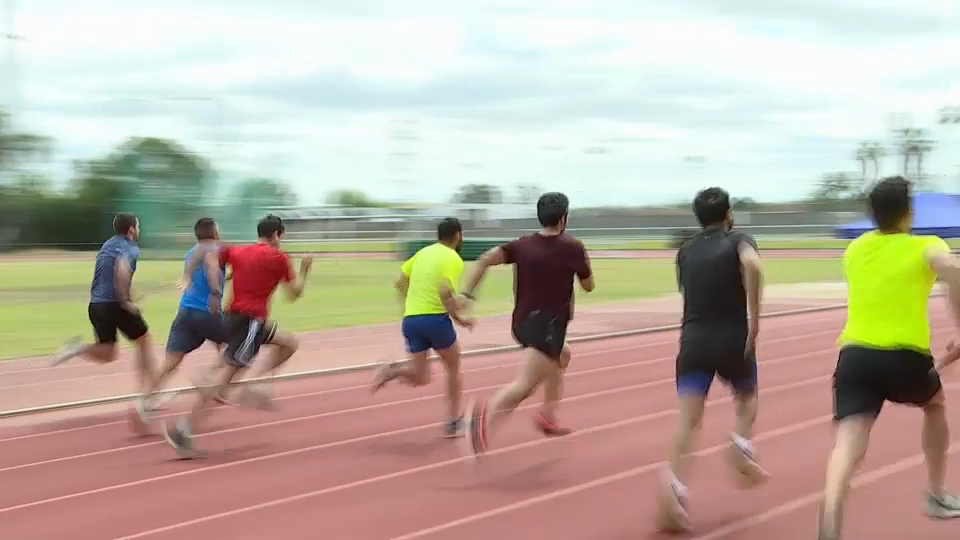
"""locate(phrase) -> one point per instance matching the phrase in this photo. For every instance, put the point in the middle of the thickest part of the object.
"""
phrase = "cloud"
(407, 101)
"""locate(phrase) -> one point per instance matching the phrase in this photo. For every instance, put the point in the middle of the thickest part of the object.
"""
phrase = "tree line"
(177, 180)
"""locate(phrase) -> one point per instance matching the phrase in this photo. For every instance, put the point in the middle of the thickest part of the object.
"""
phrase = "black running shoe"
(182, 443)
(453, 428)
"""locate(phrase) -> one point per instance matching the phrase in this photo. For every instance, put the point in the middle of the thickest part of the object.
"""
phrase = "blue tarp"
(933, 213)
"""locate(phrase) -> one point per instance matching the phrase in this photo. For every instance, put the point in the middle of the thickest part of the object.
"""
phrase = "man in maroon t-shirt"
(257, 270)
(545, 264)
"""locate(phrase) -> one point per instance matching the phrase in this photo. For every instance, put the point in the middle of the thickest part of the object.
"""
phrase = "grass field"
(44, 303)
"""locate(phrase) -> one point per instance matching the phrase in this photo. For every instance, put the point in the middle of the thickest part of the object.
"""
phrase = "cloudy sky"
(603, 99)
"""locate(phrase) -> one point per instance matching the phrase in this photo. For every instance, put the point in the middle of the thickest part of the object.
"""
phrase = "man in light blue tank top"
(199, 317)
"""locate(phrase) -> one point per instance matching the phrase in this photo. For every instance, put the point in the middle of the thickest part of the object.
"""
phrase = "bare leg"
(284, 346)
(145, 364)
(180, 436)
(851, 438)
(688, 427)
(936, 442)
(414, 372)
(450, 357)
(101, 353)
(748, 472)
(484, 420)
(546, 421)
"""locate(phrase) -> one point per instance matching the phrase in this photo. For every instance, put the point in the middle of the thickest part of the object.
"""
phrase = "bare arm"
(294, 286)
(123, 278)
(211, 262)
(752, 281)
(947, 269)
(494, 257)
(402, 284)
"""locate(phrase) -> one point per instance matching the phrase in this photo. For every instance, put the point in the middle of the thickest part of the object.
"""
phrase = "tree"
(869, 155)
(913, 143)
(836, 186)
(265, 192)
(352, 198)
(478, 194)
(17, 148)
(528, 193)
(742, 203)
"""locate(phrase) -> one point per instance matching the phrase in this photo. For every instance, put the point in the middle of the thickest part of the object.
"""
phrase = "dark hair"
(205, 229)
(711, 206)
(551, 208)
(448, 228)
(122, 223)
(270, 225)
(889, 202)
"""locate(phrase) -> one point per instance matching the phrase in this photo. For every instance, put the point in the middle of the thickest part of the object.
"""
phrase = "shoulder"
(740, 237)
(572, 241)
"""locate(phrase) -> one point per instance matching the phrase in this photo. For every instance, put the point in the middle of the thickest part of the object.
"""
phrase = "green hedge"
(472, 249)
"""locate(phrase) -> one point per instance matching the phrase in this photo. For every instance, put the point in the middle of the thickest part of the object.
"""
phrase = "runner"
(545, 264)
(719, 275)
(427, 284)
(885, 349)
(198, 318)
(257, 271)
(112, 308)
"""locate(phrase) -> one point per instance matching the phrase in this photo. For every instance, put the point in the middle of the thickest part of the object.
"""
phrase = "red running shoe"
(549, 427)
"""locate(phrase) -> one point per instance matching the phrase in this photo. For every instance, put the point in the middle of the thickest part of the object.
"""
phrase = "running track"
(336, 463)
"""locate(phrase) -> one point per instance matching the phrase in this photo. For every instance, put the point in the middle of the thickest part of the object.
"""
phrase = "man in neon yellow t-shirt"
(885, 348)
(428, 283)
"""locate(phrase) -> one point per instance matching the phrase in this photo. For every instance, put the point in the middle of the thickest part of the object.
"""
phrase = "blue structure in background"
(933, 213)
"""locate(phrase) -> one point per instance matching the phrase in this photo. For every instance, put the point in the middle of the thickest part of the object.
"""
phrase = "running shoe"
(549, 427)
(943, 507)
(382, 376)
(182, 443)
(672, 503)
(453, 428)
(139, 418)
(748, 473)
(475, 437)
(68, 351)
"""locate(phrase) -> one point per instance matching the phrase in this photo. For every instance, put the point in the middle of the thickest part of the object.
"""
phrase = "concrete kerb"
(56, 407)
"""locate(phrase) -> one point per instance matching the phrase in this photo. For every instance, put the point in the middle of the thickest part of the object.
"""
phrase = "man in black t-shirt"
(718, 272)
(545, 266)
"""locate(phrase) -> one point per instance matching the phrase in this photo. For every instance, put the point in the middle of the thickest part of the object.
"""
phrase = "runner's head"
(552, 211)
(889, 205)
(126, 225)
(450, 233)
(711, 207)
(270, 230)
(206, 229)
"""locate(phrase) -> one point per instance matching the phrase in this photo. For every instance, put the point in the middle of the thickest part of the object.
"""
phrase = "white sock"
(675, 482)
(743, 444)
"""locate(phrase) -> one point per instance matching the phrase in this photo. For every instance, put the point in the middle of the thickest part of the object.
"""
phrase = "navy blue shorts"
(423, 332)
(192, 327)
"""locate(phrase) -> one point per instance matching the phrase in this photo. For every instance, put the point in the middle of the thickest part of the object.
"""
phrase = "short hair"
(711, 206)
(205, 229)
(448, 229)
(889, 202)
(551, 208)
(269, 226)
(122, 223)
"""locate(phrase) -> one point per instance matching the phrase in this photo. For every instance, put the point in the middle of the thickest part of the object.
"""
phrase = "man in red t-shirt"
(545, 265)
(257, 270)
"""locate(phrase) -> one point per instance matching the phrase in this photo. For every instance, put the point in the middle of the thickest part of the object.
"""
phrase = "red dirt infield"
(335, 462)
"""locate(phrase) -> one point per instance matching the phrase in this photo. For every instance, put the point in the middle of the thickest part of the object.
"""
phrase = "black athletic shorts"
(109, 317)
(700, 361)
(246, 336)
(866, 378)
(542, 331)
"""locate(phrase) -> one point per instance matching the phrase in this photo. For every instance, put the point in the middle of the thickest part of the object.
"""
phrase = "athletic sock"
(675, 483)
(743, 444)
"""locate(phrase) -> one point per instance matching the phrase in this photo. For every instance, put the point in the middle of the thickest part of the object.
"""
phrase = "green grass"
(43, 303)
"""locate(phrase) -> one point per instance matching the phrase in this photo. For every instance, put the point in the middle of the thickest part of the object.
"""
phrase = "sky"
(606, 100)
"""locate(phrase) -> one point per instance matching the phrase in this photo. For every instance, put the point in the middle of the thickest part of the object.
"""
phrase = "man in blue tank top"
(199, 317)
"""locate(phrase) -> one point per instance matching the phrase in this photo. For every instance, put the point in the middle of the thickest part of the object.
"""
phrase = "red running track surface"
(334, 462)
